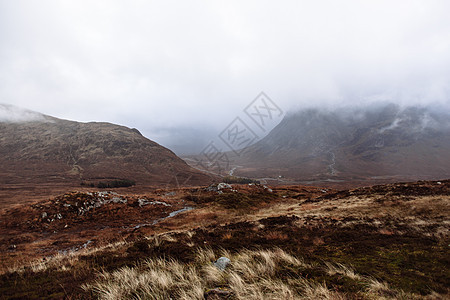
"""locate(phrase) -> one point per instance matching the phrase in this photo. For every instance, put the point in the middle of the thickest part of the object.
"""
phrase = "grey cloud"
(175, 64)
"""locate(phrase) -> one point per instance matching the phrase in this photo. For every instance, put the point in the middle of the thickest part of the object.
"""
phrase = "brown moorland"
(285, 242)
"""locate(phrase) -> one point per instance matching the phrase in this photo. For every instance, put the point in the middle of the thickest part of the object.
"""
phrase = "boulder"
(222, 263)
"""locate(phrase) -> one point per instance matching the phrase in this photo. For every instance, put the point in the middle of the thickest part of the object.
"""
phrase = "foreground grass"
(361, 244)
(344, 263)
(261, 274)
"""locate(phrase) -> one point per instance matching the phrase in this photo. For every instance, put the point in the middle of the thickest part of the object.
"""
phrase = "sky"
(181, 71)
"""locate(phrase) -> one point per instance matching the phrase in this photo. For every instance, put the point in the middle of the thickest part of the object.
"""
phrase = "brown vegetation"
(386, 241)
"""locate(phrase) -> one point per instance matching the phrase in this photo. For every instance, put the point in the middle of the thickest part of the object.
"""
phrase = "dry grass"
(418, 213)
(156, 240)
(148, 269)
(251, 275)
(62, 262)
(333, 269)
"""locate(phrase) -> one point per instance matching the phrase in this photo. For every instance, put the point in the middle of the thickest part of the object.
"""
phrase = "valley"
(323, 207)
(225, 150)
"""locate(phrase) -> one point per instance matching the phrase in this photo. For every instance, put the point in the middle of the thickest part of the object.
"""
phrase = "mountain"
(36, 148)
(383, 141)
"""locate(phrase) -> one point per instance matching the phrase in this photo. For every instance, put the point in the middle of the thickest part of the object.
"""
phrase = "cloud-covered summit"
(163, 66)
(14, 114)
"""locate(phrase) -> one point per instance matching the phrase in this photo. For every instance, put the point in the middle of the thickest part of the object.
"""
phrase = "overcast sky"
(163, 66)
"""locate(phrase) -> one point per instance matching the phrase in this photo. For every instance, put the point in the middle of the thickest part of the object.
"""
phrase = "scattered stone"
(143, 202)
(119, 200)
(267, 188)
(86, 244)
(44, 215)
(219, 187)
(223, 185)
(211, 188)
(160, 203)
(222, 263)
(103, 193)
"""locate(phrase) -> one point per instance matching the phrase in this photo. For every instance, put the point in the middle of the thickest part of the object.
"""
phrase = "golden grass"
(62, 262)
(340, 269)
(251, 275)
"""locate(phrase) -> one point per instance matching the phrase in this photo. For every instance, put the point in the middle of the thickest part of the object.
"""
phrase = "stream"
(331, 168)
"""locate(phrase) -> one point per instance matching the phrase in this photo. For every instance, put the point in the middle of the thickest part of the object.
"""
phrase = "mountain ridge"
(47, 149)
(352, 144)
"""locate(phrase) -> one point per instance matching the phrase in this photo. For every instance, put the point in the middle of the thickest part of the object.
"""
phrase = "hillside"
(36, 149)
(380, 142)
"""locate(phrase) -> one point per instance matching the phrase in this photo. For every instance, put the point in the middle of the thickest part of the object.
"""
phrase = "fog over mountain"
(169, 149)
(14, 114)
(176, 70)
(367, 143)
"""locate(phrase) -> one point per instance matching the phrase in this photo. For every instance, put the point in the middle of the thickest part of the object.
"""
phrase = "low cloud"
(163, 66)
(13, 114)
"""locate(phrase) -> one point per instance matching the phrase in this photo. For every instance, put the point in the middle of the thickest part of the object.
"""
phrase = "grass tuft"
(253, 274)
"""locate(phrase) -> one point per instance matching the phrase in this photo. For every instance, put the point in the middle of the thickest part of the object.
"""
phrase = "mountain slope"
(386, 141)
(36, 148)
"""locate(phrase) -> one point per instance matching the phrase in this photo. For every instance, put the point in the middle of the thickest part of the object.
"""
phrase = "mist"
(14, 114)
(181, 72)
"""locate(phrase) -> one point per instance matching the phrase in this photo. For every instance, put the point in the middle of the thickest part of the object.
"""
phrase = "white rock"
(222, 263)
(223, 185)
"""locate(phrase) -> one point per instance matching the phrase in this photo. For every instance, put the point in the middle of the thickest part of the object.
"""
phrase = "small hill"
(39, 149)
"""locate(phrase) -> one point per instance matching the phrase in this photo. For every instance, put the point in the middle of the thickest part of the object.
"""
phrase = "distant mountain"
(35, 148)
(351, 144)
